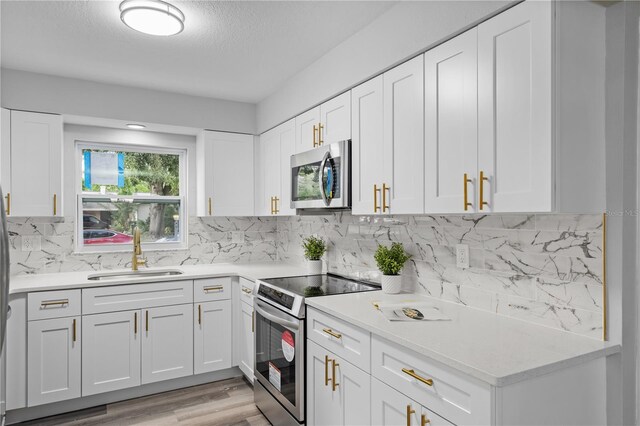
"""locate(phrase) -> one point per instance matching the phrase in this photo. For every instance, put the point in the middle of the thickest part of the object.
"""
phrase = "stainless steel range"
(280, 341)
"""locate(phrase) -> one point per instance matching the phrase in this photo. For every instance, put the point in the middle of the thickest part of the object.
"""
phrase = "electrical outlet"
(31, 243)
(237, 237)
(462, 256)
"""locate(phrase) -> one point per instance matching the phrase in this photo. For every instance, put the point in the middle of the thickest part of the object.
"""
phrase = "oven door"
(320, 177)
(280, 356)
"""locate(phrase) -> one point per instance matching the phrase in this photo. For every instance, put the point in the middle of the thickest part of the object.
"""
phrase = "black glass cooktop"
(319, 285)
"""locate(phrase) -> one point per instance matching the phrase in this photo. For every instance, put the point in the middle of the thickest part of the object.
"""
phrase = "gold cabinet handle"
(376, 190)
(330, 332)
(8, 198)
(135, 323)
(209, 206)
(55, 204)
(146, 321)
(385, 188)
(334, 382)
(326, 370)
(465, 182)
(74, 329)
(216, 288)
(424, 420)
(410, 411)
(60, 302)
(275, 202)
(483, 178)
(246, 290)
(412, 373)
(253, 321)
(315, 129)
(200, 314)
(320, 141)
(271, 205)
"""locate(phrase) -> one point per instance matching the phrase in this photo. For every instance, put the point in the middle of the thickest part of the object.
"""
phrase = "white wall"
(406, 29)
(46, 93)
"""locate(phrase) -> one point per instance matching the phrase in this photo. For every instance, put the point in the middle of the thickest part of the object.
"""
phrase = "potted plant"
(314, 248)
(390, 261)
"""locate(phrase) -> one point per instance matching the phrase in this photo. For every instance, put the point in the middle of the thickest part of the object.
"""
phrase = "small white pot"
(391, 284)
(314, 267)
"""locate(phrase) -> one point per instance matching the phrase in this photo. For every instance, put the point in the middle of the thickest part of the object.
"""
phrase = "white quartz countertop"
(493, 348)
(67, 280)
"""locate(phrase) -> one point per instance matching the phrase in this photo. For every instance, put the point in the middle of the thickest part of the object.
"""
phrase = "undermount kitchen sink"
(134, 274)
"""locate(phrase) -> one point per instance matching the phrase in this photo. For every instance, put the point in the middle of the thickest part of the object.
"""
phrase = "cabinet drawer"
(136, 296)
(462, 400)
(212, 289)
(346, 341)
(53, 304)
(246, 290)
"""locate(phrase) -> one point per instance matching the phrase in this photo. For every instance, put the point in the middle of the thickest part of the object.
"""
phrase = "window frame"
(79, 245)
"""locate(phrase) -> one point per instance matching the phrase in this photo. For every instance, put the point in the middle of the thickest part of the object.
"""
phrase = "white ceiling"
(237, 50)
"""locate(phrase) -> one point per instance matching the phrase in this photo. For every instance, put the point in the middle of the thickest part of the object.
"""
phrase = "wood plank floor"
(229, 402)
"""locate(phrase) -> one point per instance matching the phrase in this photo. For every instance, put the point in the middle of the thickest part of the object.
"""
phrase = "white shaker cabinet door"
(323, 405)
(515, 109)
(367, 105)
(403, 183)
(212, 336)
(35, 183)
(335, 119)
(110, 351)
(391, 408)
(167, 343)
(306, 130)
(54, 360)
(451, 125)
(247, 346)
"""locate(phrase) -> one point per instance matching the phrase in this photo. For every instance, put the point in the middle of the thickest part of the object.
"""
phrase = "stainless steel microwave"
(321, 177)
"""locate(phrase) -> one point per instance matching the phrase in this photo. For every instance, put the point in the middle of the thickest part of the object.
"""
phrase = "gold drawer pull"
(466, 181)
(209, 206)
(320, 141)
(55, 204)
(214, 288)
(200, 314)
(385, 206)
(74, 330)
(8, 198)
(246, 290)
(428, 382)
(410, 411)
(135, 323)
(326, 370)
(424, 420)
(376, 190)
(253, 321)
(146, 321)
(483, 179)
(60, 302)
(330, 332)
(334, 382)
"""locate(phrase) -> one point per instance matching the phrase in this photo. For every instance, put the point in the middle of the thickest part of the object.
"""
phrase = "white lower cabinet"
(110, 351)
(54, 361)
(391, 407)
(212, 347)
(247, 330)
(167, 343)
(338, 392)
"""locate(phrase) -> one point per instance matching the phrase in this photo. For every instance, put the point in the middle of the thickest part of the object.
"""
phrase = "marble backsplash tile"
(210, 240)
(543, 268)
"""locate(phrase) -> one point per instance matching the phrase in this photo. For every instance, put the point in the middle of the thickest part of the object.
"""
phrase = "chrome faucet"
(137, 259)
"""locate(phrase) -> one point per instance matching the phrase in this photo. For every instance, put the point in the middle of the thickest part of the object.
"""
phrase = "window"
(122, 188)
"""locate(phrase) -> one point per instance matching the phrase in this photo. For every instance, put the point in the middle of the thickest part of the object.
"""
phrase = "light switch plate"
(462, 256)
(237, 237)
(31, 243)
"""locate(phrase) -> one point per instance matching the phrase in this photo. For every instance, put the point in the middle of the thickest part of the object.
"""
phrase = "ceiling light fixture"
(154, 17)
(136, 126)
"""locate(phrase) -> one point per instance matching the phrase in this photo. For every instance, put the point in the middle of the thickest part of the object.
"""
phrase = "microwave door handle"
(278, 320)
(326, 158)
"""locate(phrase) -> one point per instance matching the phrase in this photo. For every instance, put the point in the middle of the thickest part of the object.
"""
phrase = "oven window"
(275, 356)
(307, 182)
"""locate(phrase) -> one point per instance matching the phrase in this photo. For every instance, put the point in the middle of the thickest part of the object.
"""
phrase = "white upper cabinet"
(451, 125)
(31, 155)
(515, 140)
(324, 124)
(367, 104)
(276, 148)
(225, 174)
(403, 179)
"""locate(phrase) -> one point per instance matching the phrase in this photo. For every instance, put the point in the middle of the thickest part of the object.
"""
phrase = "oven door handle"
(274, 317)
